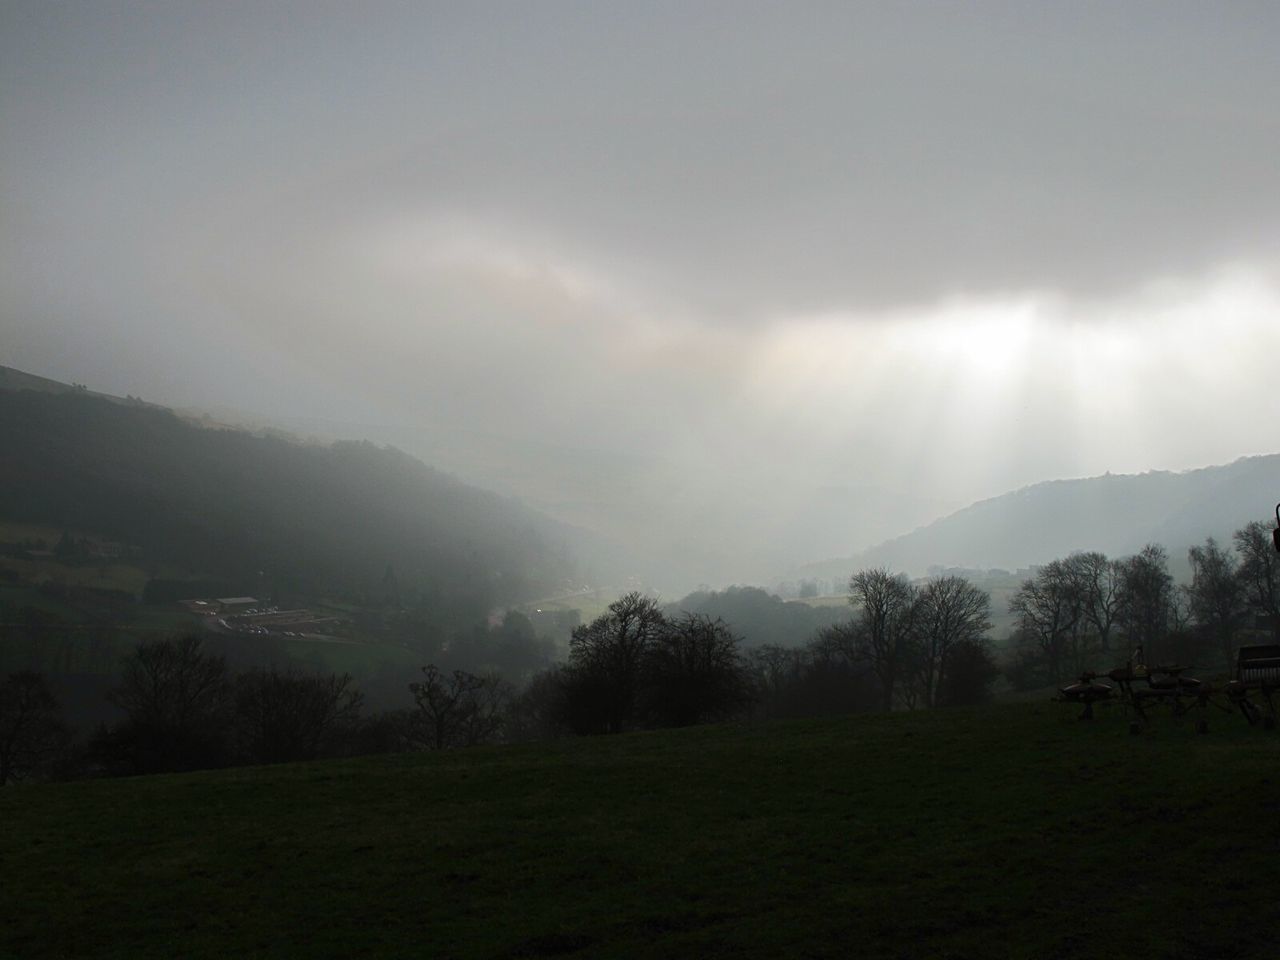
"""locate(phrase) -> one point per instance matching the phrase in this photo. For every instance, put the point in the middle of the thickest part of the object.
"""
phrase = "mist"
(730, 289)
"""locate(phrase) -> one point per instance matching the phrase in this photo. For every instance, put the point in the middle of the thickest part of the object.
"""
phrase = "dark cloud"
(748, 157)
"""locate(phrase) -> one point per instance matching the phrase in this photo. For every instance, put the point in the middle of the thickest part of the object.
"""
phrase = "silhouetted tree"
(286, 716)
(883, 633)
(773, 667)
(950, 611)
(971, 669)
(459, 709)
(1216, 594)
(693, 673)
(1146, 597)
(607, 657)
(1048, 611)
(1096, 582)
(177, 704)
(486, 717)
(1259, 570)
(540, 711)
(389, 731)
(824, 678)
(32, 733)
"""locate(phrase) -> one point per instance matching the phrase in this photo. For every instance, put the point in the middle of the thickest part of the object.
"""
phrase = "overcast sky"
(741, 284)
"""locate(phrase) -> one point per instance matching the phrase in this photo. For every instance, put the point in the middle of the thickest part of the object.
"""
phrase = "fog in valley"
(631, 479)
(731, 288)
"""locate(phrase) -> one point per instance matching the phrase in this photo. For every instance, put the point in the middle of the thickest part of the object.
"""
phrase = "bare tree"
(1146, 597)
(607, 657)
(884, 633)
(285, 716)
(539, 712)
(971, 668)
(1049, 612)
(694, 673)
(772, 665)
(786, 679)
(486, 715)
(1216, 594)
(177, 701)
(950, 611)
(826, 677)
(459, 709)
(1259, 570)
(31, 730)
(1097, 585)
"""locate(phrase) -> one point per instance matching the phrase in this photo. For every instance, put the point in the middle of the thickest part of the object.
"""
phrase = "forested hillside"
(268, 515)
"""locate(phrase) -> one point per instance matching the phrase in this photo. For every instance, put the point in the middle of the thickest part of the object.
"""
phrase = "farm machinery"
(1252, 690)
(1141, 688)
(1257, 672)
(1257, 675)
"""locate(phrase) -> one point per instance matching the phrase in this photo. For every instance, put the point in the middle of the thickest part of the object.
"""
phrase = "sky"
(736, 286)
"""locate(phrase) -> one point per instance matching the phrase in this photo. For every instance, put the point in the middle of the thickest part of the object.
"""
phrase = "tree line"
(181, 708)
(900, 645)
(1086, 610)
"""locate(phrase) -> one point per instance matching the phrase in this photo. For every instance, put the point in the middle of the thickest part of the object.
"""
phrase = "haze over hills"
(768, 288)
(11, 379)
(265, 514)
(479, 329)
(632, 517)
(1116, 514)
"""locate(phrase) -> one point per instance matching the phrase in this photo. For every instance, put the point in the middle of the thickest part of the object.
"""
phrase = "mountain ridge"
(264, 512)
(1114, 513)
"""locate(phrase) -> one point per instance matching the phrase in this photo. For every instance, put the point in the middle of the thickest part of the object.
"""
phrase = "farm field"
(1007, 831)
(101, 576)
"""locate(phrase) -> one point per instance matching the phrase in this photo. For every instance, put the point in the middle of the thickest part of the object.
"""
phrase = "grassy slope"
(1007, 832)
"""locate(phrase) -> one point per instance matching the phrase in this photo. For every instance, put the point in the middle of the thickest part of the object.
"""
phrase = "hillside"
(14, 379)
(1116, 514)
(1011, 831)
(266, 515)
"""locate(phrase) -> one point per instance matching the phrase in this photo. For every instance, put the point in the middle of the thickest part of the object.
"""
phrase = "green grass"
(102, 575)
(1012, 831)
(13, 531)
(163, 619)
(589, 606)
(14, 597)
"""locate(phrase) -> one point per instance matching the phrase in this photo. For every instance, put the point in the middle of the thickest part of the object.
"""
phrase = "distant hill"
(1116, 514)
(346, 520)
(12, 379)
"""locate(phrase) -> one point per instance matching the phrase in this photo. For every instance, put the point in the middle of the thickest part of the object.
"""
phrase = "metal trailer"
(1257, 672)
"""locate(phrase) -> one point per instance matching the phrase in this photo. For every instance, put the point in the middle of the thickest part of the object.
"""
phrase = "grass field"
(1011, 831)
(12, 531)
(102, 576)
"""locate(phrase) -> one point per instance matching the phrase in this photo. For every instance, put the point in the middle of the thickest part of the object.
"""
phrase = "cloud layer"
(741, 285)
